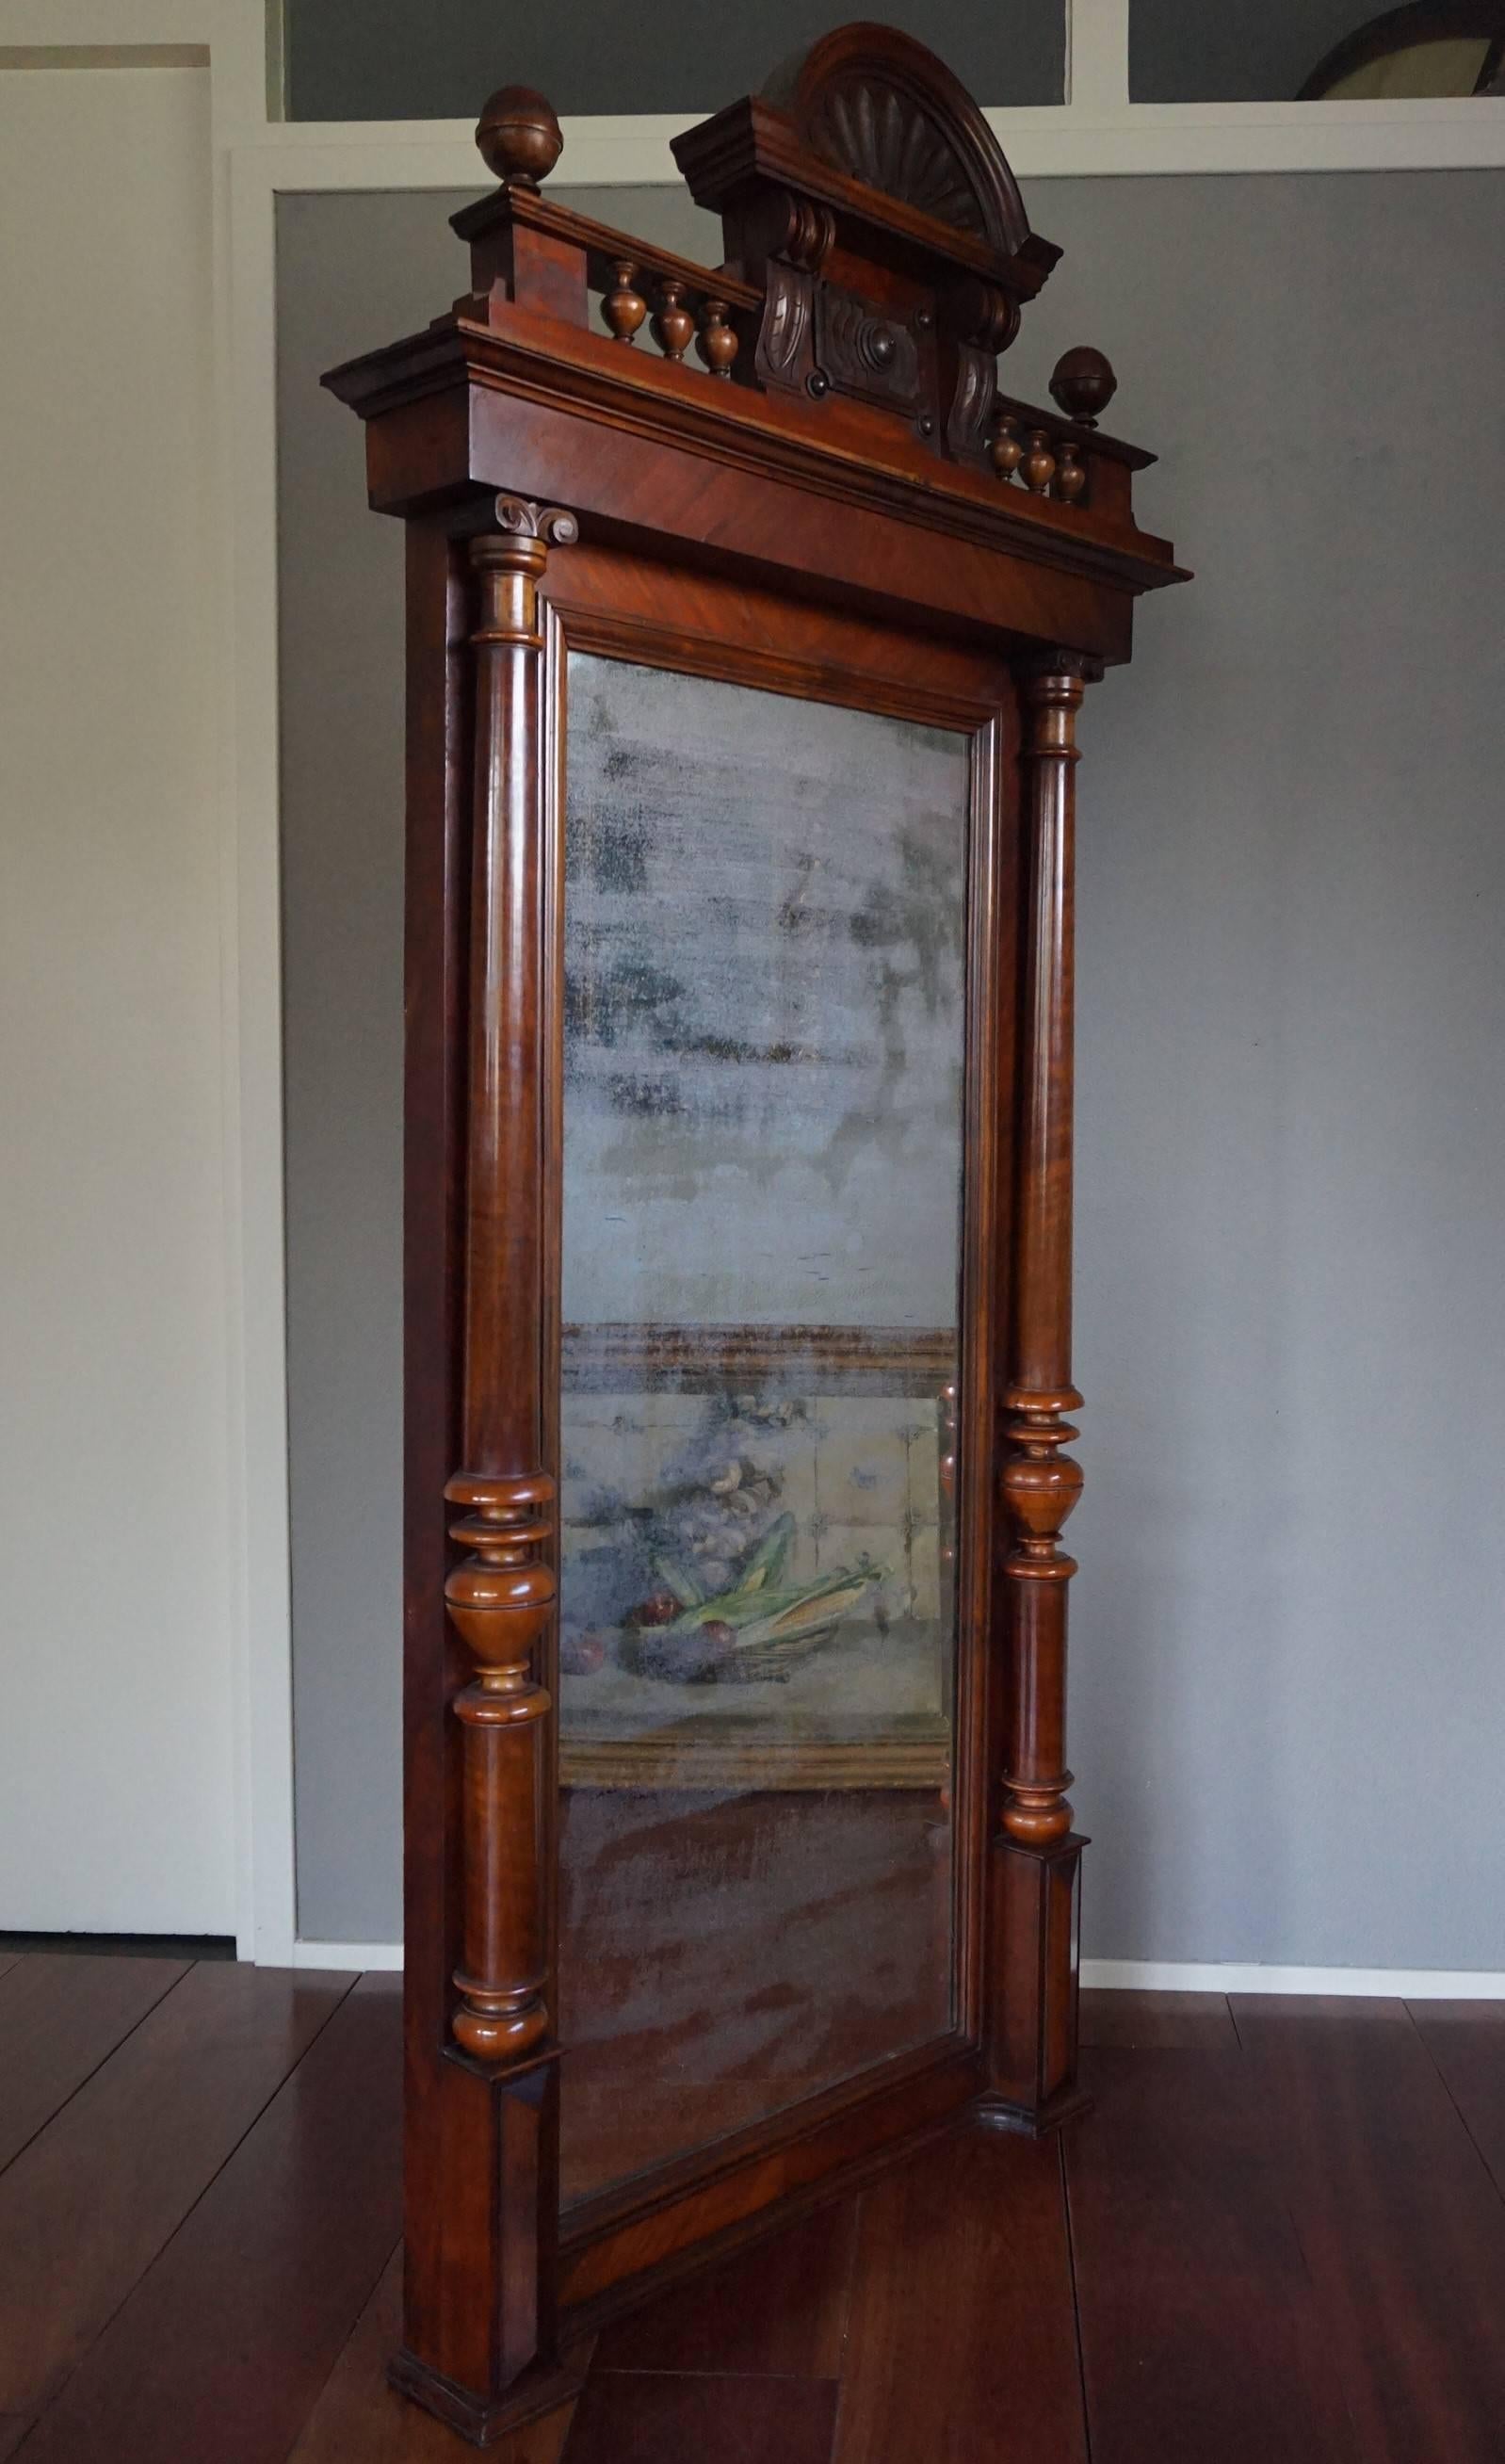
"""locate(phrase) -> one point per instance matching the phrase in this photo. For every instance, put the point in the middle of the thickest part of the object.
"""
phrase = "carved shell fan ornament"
(884, 138)
(875, 104)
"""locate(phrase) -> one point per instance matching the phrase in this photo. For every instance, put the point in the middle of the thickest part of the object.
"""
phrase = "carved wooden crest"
(865, 193)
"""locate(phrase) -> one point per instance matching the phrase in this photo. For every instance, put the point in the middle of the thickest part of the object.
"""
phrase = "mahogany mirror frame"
(854, 514)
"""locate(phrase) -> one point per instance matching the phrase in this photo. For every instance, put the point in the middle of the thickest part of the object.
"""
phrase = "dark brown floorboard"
(1287, 2237)
(358, 2420)
(60, 2016)
(1268, 2022)
(86, 2208)
(1467, 2043)
(962, 2344)
(651, 2417)
(1195, 2022)
(1199, 2332)
(778, 2308)
(1401, 2226)
(220, 2354)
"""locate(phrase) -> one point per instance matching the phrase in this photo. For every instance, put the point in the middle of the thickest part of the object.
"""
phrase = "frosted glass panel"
(764, 1037)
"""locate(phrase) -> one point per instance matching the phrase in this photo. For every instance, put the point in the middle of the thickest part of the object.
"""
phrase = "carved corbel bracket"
(977, 322)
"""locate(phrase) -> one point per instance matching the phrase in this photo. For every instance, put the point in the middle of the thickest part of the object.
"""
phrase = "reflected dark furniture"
(1386, 53)
(795, 470)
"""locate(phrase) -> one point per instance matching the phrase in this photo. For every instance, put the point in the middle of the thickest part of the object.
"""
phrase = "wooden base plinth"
(1032, 2041)
(480, 2345)
(540, 2388)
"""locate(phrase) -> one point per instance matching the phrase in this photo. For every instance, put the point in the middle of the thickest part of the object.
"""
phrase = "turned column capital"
(1039, 671)
(510, 564)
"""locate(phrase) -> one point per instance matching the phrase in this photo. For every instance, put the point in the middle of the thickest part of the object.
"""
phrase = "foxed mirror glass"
(764, 1045)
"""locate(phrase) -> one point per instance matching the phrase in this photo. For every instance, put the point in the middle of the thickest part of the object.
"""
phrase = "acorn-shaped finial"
(1083, 383)
(518, 136)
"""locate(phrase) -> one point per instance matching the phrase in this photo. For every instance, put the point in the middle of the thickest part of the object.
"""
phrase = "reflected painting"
(765, 906)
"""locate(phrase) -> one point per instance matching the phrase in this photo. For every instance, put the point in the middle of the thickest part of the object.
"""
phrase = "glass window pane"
(1264, 51)
(764, 1033)
(439, 59)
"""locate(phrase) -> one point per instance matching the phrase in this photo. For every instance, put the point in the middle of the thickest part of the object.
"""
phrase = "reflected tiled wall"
(858, 1474)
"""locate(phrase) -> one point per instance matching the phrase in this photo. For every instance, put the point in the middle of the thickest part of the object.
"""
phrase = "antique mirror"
(749, 619)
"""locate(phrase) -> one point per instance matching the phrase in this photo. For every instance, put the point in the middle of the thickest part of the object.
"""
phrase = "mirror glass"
(765, 908)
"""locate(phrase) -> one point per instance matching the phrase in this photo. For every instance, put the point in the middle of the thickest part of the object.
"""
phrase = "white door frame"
(1097, 131)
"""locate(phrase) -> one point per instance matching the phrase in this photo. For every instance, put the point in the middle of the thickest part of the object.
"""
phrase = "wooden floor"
(1280, 2235)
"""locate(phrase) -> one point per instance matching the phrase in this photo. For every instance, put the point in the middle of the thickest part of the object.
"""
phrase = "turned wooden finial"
(518, 136)
(1083, 383)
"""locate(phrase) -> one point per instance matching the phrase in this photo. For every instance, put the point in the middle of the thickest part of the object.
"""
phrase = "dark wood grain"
(778, 2308)
(60, 2016)
(221, 2351)
(88, 2204)
(1467, 2043)
(1200, 2331)
(1401, 2227)
(359, 2418)
(647, 2417)
(1189, 2022)
(962, 2341)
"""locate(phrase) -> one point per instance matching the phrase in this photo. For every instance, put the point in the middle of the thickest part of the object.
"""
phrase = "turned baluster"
(1005, 449)
(715, 343)
(1071, 476)
(625, 308)
(501, 1602)
(1039, 462)
(673, 326)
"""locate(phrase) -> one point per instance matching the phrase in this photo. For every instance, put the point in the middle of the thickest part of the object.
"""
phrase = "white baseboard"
(1248, 1977)
(1139, 1976)
(362, 1955)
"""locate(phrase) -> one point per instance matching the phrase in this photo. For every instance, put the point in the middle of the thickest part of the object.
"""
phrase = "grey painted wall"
(1289, 1686)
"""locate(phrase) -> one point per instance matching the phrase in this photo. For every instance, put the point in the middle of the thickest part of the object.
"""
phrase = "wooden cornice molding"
(574, 371)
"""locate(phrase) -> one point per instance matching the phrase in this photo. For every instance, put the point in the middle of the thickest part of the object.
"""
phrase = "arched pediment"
(877, 105)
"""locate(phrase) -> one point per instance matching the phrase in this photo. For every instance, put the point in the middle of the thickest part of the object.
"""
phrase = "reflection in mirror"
(764, 1042)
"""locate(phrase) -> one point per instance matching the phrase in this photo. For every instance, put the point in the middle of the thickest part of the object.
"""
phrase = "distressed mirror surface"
(764, 909)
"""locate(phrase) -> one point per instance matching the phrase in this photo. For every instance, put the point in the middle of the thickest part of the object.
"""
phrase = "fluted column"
(501, 1598)
(1041, 1485)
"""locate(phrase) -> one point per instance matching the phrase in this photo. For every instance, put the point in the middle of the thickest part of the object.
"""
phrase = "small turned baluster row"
(1082, 382)
(1043, 467)
(624, 309)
